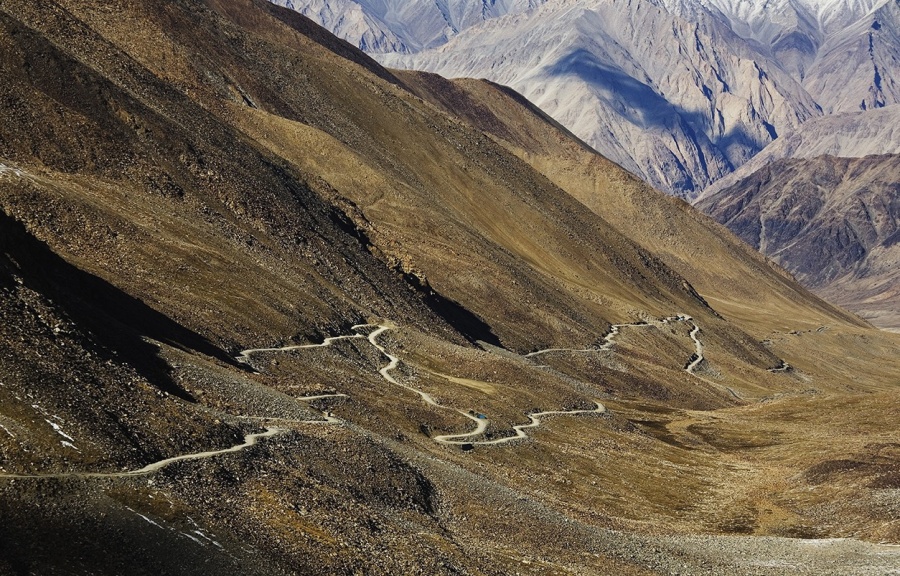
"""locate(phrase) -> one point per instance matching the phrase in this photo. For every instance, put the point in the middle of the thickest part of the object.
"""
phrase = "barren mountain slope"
(689, 243)
(267, 310)
(833, 222)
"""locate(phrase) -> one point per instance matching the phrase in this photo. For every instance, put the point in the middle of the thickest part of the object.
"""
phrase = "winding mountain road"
(692, 365)
(481, 424)
(249, 440)
(609, 340)
(535, 421)
(244, 356)
(319, 397)
(697, 358)
(609, 337)
(326, 419)
(466, 438)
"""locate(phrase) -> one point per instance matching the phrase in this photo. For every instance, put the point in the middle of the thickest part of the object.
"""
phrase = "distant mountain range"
(843, 135)
(404, 26)
(679, 92)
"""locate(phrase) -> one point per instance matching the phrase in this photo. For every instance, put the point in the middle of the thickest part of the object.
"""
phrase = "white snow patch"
(185, 534)
(59, 430)
(5, 429)
(145, 518)
(70, 445)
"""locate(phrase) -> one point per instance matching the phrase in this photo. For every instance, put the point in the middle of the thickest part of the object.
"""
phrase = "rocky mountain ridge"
(403, 26)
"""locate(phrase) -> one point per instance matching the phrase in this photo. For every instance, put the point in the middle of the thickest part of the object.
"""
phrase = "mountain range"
(268, 307)
(394, 26)
(680, 93)
(693, 96)
(844, 135)
(822, 202)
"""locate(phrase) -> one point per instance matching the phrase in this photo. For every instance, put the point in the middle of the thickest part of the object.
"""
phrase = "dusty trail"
(466, 438)
(481, 423)
(319, 397)
(244, 356)
(609, 340)
(609, 337)
(697, 358)
(249, 440)
(535, 421)
(326, 419)
(393, 362)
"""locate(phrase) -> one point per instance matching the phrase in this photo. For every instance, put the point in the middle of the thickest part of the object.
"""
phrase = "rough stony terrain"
(249, 279)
